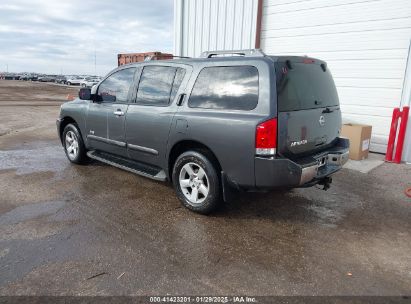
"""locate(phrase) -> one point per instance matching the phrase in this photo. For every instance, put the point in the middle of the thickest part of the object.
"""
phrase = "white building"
(365, 43)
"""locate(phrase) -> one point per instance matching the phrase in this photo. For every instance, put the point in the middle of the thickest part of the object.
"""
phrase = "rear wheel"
(69, 83)
(74, 145)
(196, 182)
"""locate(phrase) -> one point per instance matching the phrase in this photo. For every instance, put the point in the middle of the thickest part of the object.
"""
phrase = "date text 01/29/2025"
(202, 299)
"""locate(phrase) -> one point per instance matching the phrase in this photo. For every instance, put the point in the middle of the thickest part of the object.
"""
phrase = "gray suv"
(238, 120)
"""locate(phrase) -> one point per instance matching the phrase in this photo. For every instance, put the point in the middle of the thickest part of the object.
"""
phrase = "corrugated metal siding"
(208, 25)
(365, 43)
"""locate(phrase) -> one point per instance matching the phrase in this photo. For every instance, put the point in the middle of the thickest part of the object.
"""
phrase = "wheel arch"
(190, 145)
(64, 122)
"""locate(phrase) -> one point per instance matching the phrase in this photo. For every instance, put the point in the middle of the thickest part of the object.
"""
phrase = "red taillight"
(266, 137)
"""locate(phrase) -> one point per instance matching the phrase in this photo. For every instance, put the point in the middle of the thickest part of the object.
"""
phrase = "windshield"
(302, 86)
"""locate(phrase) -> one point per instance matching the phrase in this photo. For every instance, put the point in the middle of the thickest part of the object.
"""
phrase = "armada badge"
(298, 143)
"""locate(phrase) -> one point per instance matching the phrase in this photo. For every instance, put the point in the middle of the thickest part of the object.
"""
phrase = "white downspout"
(406, 101)
(178, 27)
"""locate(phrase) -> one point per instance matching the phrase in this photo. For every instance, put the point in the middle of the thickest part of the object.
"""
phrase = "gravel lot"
(97, 230)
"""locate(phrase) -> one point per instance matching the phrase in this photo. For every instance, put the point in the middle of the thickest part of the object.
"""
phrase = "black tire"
(208, 203)
(81, 156)
(69, 83)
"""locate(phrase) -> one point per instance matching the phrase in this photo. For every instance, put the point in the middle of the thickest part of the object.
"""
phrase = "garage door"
(364, 42)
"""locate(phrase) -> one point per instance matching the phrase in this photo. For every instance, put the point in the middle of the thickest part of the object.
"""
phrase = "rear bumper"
(282, 172)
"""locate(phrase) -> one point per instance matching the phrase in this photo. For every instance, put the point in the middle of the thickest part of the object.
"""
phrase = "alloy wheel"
(72, 146)
(194, 183)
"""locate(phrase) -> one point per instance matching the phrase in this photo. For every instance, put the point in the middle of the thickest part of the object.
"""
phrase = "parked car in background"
(24, 77)
(32, 77)
(74, 80)
(47, 78)
(29, 77)
(11, 76)
(61, 79)
(89, 82)
(251, 123)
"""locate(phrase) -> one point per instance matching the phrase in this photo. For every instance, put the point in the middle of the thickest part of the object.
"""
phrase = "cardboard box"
(359, 136)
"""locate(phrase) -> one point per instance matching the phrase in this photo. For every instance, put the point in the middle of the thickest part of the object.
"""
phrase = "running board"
(129, 165)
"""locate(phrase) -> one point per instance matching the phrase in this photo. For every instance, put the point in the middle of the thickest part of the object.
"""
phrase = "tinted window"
(304, 86)
(116, 87)
(177, 82)
(234, 88)
(155, 85)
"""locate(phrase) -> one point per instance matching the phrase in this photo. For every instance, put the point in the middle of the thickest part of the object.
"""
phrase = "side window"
(177, 82)
(232, 88)
(115, 88)
(156, 83)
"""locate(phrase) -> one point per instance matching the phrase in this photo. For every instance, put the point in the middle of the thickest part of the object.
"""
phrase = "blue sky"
(48, 36)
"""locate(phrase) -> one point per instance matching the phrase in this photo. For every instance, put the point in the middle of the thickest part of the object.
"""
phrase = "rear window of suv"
(226, 88)
(303, 86)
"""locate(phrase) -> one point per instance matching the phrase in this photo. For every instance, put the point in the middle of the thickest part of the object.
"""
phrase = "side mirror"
(84, 94)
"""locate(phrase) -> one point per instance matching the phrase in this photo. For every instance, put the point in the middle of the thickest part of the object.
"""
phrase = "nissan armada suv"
(212, 124)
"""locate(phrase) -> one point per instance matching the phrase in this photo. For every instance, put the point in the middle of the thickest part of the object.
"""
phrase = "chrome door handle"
(119, 113)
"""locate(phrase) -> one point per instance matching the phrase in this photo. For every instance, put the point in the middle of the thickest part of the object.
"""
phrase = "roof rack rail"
(153, 57)
(245, 53)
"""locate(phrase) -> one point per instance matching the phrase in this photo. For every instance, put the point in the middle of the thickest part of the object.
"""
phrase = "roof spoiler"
(245, 53)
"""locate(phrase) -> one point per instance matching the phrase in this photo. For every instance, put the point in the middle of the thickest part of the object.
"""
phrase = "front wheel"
(69, 83)
(196, 182)
(74, 145)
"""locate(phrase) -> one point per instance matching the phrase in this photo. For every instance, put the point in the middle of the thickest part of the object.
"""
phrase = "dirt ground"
(27, 110)
(97, 230)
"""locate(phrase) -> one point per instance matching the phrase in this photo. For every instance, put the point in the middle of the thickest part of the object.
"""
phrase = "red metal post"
(258, 24)
(393, 134)
(401, 134)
